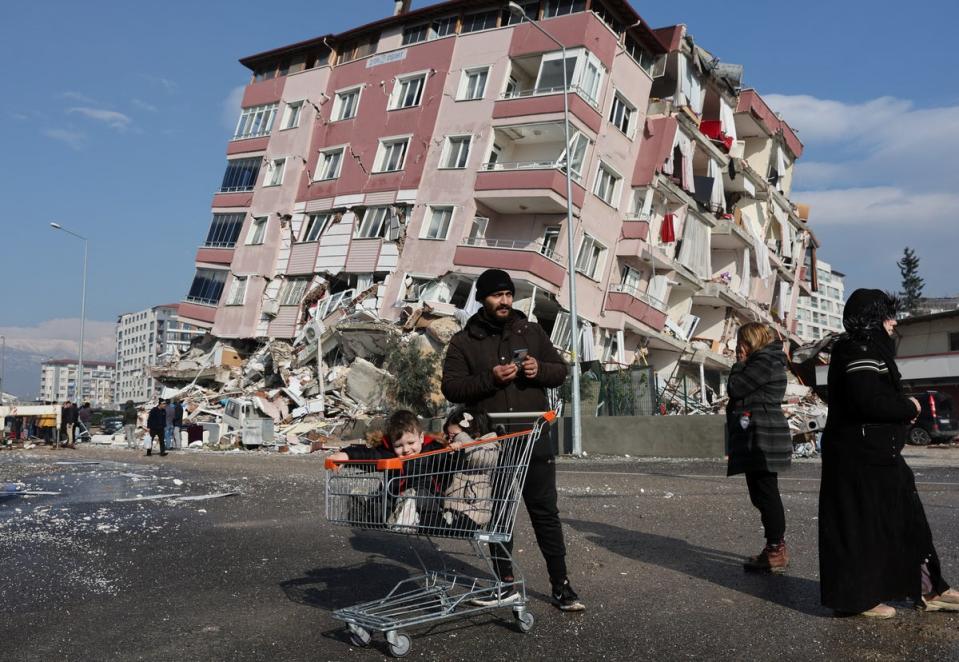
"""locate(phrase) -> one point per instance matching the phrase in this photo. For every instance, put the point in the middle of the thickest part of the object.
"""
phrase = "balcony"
(546, 101)
(638, 305)
(719, 295)
(215, 254)
(727, 235)
(513, 256)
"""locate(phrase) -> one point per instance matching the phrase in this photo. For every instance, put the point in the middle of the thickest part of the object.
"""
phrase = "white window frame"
(451, 152)
(257, 231)
(383, 154)
(338, 103)
(611, 195)
(467, 91)
(237, 295)
(630, 129)
(291, 115)
(374, 223)
(267, 113)
(571, 54)
(582, 61)
(590, 257)
(315, 225)
(294, 289)
(323, 163)
(575, 139)
(431, 232)
(275, 170)
(550, 240)
(477, 230)
(398, 97)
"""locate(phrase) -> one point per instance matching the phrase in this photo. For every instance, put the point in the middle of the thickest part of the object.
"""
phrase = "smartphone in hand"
(519, 355)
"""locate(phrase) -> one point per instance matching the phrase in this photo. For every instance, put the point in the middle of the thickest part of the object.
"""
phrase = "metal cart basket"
(470, 494)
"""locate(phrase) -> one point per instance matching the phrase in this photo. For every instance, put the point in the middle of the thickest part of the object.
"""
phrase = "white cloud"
(115, 120)
(880, 205)
(826, 120)
(59, 338)
(75, 139)
(231, 107)
(169, 85)
(143, 105)
(77, 96)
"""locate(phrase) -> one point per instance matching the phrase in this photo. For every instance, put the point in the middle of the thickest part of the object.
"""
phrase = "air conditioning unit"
(271, 307)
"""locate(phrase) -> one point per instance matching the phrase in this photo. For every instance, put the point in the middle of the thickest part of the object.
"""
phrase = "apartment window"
(606, 186)
(550, 240)
(257, 231)
(640, 55)
(207, 286)
(457, 151)
(316, 225)
(439, 223)
(224, 230)
(391, 155)
(329, 165)
(632, 280)
(293, 291)
(240, 175)
(408, 92)
(578, 144)
(291, 116)
(563, 7)
(274, 172)
(622, 114)
(478, 230)
(954, 342)
(550, 76)
(530, 9)
(255, 121)
(345, 104)
(473, 85)
(237, 291)
(590, 258)
(415, 34)
(591, 78)
(481, 21)
(443, 27)
(373, 224)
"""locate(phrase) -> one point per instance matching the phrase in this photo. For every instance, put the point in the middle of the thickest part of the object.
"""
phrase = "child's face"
(452, 430)
(410, 443)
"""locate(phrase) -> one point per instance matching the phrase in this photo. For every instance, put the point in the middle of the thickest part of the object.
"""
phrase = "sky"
(116, 117)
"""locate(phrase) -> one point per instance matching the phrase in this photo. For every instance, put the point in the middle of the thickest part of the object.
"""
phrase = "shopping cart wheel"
(359, 637)
(524, 620)
(399, 643)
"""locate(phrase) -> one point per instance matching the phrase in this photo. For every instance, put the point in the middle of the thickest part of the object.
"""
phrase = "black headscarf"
(863, 316)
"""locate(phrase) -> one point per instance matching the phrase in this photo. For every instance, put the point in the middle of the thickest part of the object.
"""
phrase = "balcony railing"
(522, 165)
(543, 91)
(235, 189)
(514, 245)
(219, 244)
(633, 291)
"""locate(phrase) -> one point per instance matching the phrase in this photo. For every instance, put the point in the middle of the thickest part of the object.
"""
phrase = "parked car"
(937, 420)
(111, 425)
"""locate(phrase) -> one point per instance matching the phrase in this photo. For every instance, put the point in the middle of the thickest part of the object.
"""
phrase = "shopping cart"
(470, 494)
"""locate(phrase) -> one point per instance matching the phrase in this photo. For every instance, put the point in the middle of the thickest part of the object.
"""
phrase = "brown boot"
(773, 559)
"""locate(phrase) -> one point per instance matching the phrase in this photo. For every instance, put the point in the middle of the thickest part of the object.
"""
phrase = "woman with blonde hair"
(758, 438)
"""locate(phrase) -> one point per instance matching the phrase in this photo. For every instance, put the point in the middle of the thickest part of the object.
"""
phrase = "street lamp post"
(83, 310)
(3, 359)
(518, 12)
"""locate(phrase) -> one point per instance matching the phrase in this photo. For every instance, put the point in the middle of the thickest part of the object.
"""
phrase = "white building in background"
(821, 314)
(142, 339)
(58, 382)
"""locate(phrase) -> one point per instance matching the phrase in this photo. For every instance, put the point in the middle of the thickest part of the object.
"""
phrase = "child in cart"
(468, 498)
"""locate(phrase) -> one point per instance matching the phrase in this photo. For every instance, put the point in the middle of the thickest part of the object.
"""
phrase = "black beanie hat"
(493, 280)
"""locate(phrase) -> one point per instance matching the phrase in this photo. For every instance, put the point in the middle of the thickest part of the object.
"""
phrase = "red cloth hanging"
(667, 233)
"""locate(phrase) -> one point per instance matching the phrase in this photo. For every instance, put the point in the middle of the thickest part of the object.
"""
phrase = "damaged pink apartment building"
(385, 167)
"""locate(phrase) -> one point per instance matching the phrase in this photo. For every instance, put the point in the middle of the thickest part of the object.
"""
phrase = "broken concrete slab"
(367, 384)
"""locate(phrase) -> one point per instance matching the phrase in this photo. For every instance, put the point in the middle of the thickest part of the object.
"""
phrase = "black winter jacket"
(156, 420)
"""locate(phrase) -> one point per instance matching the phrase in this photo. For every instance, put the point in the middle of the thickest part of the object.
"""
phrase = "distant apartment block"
(387, 166)
(58, 382)
(820, 314)
(142, 339)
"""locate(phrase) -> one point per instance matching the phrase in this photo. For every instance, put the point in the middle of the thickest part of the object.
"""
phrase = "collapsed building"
(376, 172)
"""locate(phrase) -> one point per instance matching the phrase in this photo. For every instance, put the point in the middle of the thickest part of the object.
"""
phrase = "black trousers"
(764, 493)
(539, 495)
(159, 434)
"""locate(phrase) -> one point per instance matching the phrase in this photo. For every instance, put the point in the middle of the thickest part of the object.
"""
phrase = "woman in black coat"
(874, 541)
(759, 441)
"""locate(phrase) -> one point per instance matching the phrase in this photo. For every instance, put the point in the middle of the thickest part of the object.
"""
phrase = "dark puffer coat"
(873, 533)
(757, 385)
(482, 345)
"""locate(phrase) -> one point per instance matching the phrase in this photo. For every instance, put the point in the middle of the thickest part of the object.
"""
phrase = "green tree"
(912, 284)
(414, 378)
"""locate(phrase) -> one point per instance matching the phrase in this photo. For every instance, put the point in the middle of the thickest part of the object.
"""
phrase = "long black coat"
(757, 385)
(482, 345)
(873, 533)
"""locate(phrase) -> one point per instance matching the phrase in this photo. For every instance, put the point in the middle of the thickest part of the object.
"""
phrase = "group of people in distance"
(875, 544)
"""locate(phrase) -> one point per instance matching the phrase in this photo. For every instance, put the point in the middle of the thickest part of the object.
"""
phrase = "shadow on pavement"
(714, 566)
(338, 586)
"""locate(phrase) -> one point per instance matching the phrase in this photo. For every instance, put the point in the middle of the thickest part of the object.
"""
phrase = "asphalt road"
(654, 550)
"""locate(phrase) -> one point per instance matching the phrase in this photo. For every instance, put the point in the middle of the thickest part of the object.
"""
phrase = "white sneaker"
(510, 597)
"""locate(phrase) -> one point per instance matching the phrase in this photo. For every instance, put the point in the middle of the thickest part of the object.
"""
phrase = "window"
(415, 34)
(224, 230)
(439, 223)
(391, 155)
(345, 104)
(643, 57)
(373, 224)
(291, 116)
(606, 186)
(578, 143)
(621, 114)
(237, 291)
(550, 76)
(563, 7)
(954, 342)
(530, 9)
(590, 258)
(255, 121)
(293, 291)
(478, 230)
(550, 239)
(329, 164)
(274, 172)
(457, 151)
(207, 286)
(443, 27)
(494, 154)
(482, 21)
(257, 231)
(590, 79)
(240, 175)
(473, 85)
(316, 225)
(408, 92)
(632, 280)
